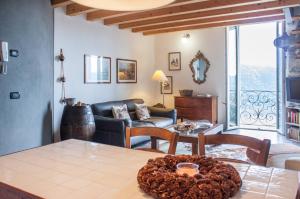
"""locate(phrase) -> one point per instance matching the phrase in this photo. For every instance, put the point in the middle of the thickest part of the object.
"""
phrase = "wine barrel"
(78, 123)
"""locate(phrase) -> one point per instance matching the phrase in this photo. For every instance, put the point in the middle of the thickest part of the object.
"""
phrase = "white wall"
(211, 42)
(76, 36)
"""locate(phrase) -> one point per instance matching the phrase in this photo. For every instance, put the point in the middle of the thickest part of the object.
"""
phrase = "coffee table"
(191, 137)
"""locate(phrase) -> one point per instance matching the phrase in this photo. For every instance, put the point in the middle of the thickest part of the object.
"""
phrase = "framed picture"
(97, 69)
(126, 71)
(174, 61)
(167, 88)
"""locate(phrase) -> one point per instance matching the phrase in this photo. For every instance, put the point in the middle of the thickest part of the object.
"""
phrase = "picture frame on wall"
(126, 71)
(174, 61)
(97, 69)
(167, 88)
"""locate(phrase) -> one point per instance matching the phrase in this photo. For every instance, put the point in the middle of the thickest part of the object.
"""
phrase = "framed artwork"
(167, 88)
(126, 71)
(97, 69)
(174, 61)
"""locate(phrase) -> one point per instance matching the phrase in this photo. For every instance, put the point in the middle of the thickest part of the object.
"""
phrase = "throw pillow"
(121, 112)
(142, 111)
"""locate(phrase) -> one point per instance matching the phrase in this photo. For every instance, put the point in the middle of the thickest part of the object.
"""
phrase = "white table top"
(76, 169)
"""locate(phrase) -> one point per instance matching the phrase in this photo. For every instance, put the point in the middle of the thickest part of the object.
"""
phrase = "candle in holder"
(187, 168)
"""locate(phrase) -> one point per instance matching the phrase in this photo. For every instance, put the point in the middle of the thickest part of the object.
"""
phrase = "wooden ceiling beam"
(60, 3)
(77, 9)
(221, 24)
(211, 20)
(100, 14)
(190, 7)
(212, 13)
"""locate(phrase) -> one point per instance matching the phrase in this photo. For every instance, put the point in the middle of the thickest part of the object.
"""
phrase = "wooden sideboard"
(197, 108)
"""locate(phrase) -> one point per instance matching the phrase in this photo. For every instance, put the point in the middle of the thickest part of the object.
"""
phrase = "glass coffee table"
(191, 136)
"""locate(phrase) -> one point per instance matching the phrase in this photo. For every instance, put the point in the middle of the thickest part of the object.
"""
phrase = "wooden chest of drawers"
(197, 108)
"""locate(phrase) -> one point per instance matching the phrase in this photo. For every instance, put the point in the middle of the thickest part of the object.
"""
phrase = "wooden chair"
(153, 132)
(257, 150)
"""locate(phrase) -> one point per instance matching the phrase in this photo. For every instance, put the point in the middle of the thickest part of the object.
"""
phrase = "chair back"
(153, 132)
(257, 150)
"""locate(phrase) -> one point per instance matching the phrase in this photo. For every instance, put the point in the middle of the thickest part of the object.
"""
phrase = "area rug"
(221, 151)
(277, 156)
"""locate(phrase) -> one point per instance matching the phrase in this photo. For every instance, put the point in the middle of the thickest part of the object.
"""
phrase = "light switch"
(15, 95)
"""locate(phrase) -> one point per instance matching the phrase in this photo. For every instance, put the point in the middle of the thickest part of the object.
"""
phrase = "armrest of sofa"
(164, 112)
(107, 123)
(110, 131)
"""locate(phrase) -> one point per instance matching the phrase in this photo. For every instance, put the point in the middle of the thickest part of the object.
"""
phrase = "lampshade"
(159, 76)
(123, 5)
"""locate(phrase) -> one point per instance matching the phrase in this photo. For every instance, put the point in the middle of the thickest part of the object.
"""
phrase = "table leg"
(194, 148)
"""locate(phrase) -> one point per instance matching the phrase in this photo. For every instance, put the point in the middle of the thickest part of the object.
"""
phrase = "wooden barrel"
(78, 123)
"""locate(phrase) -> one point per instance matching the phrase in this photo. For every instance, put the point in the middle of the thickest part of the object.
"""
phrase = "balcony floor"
(275, 137)
(281, 148)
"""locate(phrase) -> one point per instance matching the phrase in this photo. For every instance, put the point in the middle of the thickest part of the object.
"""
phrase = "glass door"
(254, 74)
(281, 82)
(232, 78)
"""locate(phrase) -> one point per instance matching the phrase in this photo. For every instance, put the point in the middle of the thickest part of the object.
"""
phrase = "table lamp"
(160, 76)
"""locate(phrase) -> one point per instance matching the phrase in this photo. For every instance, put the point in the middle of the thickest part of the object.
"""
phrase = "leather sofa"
(113, 131)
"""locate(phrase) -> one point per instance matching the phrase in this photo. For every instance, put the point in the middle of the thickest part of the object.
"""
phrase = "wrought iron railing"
(257, 108)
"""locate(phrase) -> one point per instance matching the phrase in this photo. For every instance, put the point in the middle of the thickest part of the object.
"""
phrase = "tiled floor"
(275, 137)
(281, 147)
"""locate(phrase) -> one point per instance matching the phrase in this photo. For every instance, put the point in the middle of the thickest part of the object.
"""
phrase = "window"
(253, 72)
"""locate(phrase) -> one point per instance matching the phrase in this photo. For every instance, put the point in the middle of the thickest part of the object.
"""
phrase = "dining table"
(76, 169)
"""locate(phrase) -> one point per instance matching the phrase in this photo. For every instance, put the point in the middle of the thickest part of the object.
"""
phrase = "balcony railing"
(257, 108)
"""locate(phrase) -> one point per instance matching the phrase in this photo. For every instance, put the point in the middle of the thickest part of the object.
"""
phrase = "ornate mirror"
(199, 66)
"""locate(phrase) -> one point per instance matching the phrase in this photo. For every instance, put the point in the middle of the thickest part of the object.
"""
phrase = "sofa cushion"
(138, 140)
(141, 124)
(120, 112)
(151, 122)
(131, 103)
(160, 121)
(142, 111)
(131, 106)
(105, 108)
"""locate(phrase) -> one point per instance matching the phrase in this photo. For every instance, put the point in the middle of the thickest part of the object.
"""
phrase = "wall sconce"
(185, 37)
